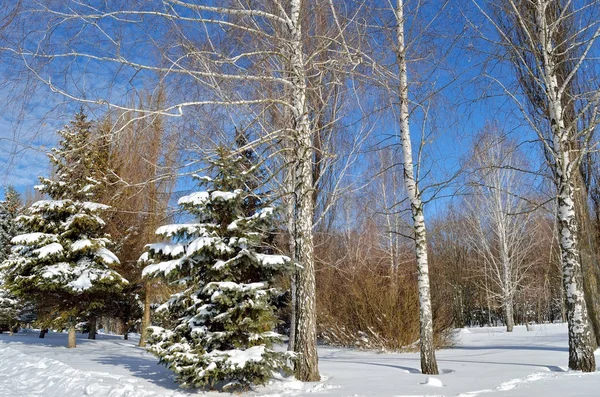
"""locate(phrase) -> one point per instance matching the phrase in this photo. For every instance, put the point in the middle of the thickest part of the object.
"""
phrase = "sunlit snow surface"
(485, 361)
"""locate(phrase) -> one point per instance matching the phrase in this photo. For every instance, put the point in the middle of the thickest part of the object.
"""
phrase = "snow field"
(484, 362)
(22, 376)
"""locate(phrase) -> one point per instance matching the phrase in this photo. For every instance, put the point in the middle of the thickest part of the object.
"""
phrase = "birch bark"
(305, 327)
(581, 352)
(550, 43)
(507, 301)
(428, 360)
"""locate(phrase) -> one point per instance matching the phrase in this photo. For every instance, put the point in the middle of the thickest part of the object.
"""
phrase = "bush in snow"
(63, 263)
(220, 329)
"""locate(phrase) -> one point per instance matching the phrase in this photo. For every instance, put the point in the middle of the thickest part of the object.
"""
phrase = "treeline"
(494, 255)
(356, 114)
(366, 283)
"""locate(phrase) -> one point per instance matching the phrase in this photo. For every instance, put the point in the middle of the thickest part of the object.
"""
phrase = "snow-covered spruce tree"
(63, 262)
(9, 210)
(222, 333)
(78, 163)
(10, 306)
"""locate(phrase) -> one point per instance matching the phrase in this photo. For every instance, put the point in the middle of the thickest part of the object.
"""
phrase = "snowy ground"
(486, 361)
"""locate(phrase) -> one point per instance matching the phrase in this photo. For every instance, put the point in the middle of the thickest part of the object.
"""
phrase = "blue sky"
(27, 131)
(28, 126)
(24, 138)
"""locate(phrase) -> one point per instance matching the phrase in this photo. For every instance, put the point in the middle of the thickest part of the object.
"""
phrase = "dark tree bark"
(93, 324)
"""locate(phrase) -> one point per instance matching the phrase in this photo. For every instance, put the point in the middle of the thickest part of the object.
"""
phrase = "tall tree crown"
(77, 162)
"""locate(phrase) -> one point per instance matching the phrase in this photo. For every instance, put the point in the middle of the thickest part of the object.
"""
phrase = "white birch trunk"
(428, 361)
(305, 333)
(508, 314)
(290, 212)
(291, 222)
(581, 352)
(507, 277)
(508, 290)
(392, 224)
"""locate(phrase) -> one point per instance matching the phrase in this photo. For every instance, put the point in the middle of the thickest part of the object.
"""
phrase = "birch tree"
(428, 360)
(390, 196)
(551, 44)
(397, 41)
(500, 219)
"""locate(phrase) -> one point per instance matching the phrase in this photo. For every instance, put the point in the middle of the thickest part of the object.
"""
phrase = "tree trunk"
(428, 360)
(93, 325)
(305, 336)
(506, 279)
(588, 252)
(146, 316)
(43, 332)
(291, 220)
(290, 205)
(506, 283)
(581, 351)
(563, 306)
(488, 303)
(72, 342)
(293, 309)
(508, 315)
(125, 326)
(461, 307)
